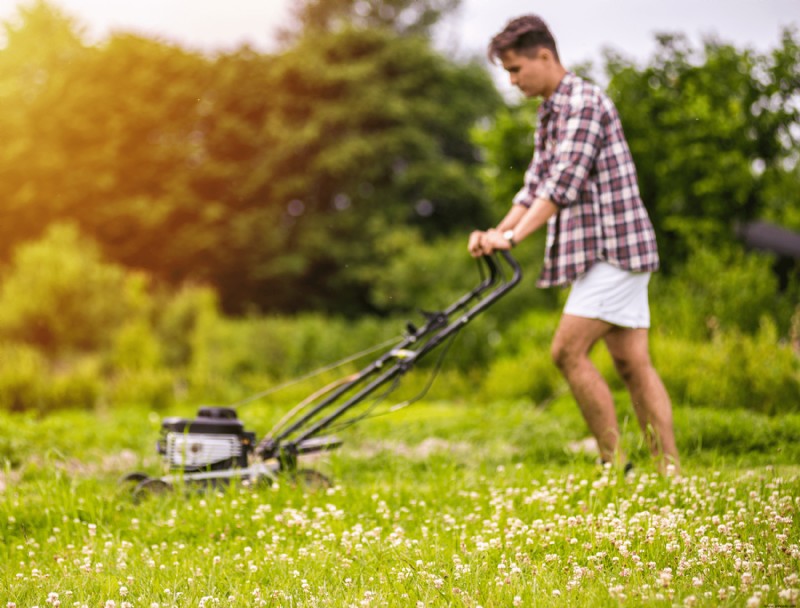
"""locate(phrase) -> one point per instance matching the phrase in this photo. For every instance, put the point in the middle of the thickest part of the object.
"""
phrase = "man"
(582, 183)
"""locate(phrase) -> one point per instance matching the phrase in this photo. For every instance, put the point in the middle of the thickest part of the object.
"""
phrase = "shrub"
(60, 296)
(723, 289)
(182, 314)
(154, 389)
(22, 369)
(81, 387)
(733, 370)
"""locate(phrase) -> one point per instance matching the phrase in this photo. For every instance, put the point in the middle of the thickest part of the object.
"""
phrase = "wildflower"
(754, 601)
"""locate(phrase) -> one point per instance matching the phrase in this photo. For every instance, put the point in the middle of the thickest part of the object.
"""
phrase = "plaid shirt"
(582, 164)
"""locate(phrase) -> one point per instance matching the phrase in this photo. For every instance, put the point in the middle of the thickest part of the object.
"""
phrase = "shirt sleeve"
(574, 151)
(527, 193)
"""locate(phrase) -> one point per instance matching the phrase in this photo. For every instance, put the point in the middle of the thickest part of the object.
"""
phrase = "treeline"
(298, 180)
(273, 178)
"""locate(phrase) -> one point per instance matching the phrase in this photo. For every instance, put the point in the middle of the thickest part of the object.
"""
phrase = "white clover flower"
(754, 601)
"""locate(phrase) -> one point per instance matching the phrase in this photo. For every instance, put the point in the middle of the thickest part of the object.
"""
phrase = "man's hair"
(523, 35)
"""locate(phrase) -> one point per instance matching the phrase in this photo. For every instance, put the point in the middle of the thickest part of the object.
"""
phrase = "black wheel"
(133, 478)
(309, 479)
(151, 487)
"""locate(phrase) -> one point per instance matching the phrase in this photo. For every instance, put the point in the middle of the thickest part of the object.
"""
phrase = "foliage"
(406, 17)
(758, 373)
(388, 149)
(722, 288)
(507, 146)
(271, 177)
(713, 133)
(61, 296)
(166, 347)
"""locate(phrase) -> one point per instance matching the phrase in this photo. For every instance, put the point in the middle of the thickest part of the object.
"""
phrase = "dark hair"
(523, 35)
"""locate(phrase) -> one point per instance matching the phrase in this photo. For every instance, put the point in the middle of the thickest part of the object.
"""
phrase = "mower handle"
(439, 326)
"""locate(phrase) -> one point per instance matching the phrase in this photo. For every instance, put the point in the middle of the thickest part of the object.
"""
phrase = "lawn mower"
(214, 448)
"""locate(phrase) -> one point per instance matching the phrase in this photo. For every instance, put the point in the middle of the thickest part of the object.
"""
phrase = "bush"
(733, 370)
(59, 295)
(724, 289)
(154, 389)
(22, 370)
(181, 316)
(81, 387)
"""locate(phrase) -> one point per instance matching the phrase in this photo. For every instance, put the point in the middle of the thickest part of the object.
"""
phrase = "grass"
(440, 504)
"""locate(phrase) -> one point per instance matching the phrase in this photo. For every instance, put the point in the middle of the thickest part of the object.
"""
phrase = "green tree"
(712, 132)
(270, 176)
(366, 131)
(415, 17)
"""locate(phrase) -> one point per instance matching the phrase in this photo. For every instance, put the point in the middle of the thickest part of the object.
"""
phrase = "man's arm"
(524, 221)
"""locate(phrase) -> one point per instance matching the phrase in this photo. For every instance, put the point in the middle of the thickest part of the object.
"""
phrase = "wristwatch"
(509, 236)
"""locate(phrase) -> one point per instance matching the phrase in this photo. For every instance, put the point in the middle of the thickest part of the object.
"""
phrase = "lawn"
(439, 504)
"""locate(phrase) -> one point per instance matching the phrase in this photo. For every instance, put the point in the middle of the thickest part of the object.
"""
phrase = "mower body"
(214, 440)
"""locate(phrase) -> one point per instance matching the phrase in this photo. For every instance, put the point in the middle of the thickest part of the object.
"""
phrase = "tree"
(366, 131)
(270, 176)
(405, 17)
(33, 76)
(712, 132)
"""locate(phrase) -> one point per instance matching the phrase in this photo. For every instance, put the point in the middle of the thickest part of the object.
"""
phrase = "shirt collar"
(560, 96)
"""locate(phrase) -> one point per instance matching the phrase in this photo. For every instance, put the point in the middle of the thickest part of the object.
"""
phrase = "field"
(440, 504)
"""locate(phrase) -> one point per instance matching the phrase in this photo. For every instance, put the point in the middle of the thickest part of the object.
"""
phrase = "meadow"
(446, 503)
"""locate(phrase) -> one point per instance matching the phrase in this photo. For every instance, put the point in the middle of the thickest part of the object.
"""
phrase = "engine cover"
(215, 440)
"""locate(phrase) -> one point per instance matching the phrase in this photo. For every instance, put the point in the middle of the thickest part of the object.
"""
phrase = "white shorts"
(612, 295)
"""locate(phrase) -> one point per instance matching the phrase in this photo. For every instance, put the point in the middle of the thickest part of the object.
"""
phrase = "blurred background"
(191, 190)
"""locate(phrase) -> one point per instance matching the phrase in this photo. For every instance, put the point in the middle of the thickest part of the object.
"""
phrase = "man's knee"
(564, 355)
(630, 368)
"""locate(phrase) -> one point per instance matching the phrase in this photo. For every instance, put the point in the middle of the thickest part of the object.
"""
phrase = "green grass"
(439, 504)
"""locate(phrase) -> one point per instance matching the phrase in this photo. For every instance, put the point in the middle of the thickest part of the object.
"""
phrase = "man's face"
(527, 72)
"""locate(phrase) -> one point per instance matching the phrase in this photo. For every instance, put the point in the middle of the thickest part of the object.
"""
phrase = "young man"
(582, 183)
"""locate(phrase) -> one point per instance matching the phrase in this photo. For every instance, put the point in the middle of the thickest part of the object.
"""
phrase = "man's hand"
(475, 247)
(485, 243)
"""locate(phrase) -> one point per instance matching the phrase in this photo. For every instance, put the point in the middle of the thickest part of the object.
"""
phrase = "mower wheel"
(133, 478)
(312, 480)
(151, 487)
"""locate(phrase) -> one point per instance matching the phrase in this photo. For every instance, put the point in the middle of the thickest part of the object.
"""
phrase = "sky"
(582, 27)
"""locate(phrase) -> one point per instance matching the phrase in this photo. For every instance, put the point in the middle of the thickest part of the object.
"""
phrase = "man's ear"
(545, 53)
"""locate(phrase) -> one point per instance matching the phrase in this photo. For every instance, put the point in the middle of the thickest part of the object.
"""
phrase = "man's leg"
(572, 344)
(630, 351)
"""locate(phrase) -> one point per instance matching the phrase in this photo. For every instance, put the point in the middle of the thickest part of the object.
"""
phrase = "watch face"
(508, 235)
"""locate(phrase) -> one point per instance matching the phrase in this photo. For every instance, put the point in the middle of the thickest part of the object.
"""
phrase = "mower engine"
(214, 441)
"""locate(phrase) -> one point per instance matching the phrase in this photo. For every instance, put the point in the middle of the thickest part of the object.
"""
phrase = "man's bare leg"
(630, 351)
(571, 346)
